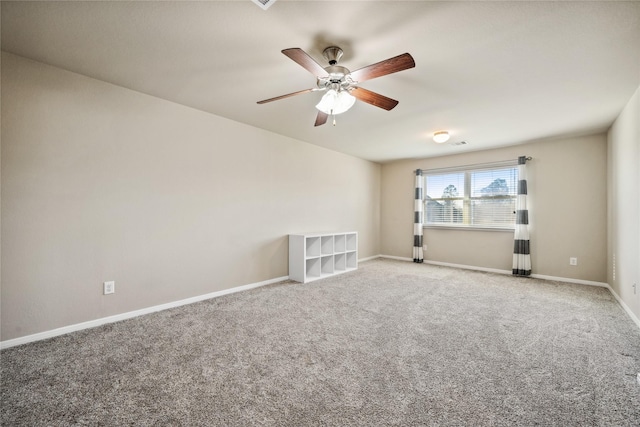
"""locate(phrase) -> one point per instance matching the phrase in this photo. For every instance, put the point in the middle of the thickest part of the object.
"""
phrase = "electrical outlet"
(109, 287)
(573, 261)
(424, 247)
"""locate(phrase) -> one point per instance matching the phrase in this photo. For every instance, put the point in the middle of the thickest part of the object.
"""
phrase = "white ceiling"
(492, 73)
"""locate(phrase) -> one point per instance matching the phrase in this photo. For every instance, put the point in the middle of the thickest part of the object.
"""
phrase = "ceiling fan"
(341, 85)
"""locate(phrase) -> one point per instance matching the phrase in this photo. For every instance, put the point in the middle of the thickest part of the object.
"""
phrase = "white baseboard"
(624, 306)
(369, 258)
(498, 271)
(568, 280)
(469, 267)
(123, 316)
(448, 264)
(399, 258)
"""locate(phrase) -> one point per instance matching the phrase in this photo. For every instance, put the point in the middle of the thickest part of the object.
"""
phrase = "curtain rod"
(477, 165)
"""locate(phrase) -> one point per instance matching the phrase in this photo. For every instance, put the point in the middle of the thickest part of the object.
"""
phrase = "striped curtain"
(418, 219)
(521, 253)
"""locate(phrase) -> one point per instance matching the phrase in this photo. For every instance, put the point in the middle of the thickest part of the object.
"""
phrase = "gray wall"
(623, 257)
(103, 183)
(567, 201)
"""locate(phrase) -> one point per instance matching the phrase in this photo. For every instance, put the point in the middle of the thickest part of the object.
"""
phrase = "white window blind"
(481, 196)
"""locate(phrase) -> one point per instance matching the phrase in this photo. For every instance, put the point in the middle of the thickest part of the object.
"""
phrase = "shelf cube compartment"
(326, 265)
(339, 243)
(313, 267)
(352, 242)
(327, 245)
(352, 260)
(313, 246)
(340, 262)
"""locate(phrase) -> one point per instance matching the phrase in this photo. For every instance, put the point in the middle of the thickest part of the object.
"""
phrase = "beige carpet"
(393, 344)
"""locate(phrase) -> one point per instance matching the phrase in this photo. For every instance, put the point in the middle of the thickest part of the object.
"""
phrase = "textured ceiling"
(492, 73)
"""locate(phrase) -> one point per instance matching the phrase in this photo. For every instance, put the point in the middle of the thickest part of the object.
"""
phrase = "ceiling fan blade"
(301, 57)
(382, 68)
(374, 98)
(300, 92)
(321, 118)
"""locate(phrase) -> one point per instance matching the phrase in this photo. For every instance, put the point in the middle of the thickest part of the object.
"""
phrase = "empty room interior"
(320, 213)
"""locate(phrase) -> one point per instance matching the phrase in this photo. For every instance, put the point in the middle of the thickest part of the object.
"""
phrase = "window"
(475, 197)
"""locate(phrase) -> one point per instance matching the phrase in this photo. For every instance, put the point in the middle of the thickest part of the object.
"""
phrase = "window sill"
(467, 227)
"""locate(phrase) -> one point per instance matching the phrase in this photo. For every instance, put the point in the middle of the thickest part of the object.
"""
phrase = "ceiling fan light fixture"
(336, 102)
(441, 136)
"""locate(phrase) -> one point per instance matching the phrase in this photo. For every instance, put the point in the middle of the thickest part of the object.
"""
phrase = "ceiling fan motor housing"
(332, 54)
(338, 77)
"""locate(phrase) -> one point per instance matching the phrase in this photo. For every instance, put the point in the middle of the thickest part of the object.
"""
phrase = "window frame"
(466, 198)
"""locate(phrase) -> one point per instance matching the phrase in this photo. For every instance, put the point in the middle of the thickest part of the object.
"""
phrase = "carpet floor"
(391, 344)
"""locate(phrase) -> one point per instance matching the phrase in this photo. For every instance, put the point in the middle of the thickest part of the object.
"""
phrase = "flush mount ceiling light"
(441, 136)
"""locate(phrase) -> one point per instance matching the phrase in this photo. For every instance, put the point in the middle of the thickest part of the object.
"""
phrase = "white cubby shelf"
(314, 256)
